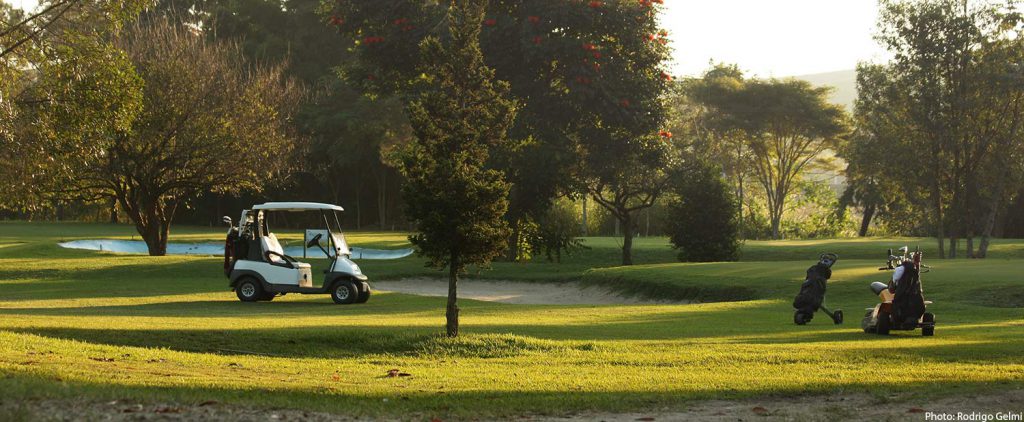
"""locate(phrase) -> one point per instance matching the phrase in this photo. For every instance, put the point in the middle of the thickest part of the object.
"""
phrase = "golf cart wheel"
(344, 292)
(837, 317)
(249, 289)
(364, 292)
(798, 318)
(884, 322)
(928, 319)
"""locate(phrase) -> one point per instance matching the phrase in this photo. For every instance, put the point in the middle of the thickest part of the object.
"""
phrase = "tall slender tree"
(461, 113)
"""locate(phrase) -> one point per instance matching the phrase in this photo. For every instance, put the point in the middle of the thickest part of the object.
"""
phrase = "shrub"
(702, 217)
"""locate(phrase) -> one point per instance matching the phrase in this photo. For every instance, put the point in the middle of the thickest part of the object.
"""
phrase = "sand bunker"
(569, 293)
(139, 247)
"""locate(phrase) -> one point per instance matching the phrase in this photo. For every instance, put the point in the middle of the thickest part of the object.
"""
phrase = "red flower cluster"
(533, 19)
(537, 39)
(336, 21)
(595, 4)
(597, 55)
(373, 40)
(589, 47)
(624, 103)
(650, 3)
(583, 80)
(666, 76)
(401, 21)
(371, 77)
(665, 134)
(490, 22)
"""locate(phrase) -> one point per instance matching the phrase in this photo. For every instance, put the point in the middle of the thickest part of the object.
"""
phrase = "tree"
(349, 133)
(59, 62)
(624, 146)
(954, 69)
(789, 126)
(570, 65)
(702, 221)
(206, 121)
(700, 115)
(459, 115)
(873, 163)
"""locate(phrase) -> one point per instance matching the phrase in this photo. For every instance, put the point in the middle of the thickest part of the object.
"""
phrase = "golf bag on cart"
(812, 292)
(908, 302)
(901, 299)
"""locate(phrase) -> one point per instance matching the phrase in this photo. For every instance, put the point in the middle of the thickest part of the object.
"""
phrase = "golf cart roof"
(296, 206)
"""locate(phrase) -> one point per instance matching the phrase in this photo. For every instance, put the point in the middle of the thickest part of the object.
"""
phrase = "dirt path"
(809, 408)
(858, 407)
(568, 293)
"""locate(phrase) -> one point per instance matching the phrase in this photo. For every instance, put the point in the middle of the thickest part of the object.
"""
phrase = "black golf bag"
(908, 301)
(812, 292)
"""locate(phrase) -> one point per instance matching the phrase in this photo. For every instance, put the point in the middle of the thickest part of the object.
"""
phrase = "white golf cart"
(259, 269)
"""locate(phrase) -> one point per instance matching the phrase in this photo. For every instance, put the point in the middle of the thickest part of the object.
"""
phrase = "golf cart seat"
(878, 287)
(274, 253)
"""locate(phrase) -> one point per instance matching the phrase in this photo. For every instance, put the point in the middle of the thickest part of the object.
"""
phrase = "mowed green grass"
(106, 326)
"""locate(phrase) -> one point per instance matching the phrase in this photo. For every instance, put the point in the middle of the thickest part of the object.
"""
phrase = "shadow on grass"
(342, 333)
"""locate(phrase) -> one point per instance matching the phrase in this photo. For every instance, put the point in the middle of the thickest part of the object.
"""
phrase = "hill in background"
(844, 83)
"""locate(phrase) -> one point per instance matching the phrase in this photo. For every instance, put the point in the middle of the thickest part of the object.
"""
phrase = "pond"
(139, 247)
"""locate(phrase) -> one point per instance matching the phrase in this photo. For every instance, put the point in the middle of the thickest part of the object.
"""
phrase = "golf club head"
(226, 220)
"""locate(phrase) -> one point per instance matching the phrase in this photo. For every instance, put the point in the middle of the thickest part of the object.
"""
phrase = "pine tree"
(460, 113)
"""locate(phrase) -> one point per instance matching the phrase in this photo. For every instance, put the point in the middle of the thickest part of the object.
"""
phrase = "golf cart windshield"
(333, 240)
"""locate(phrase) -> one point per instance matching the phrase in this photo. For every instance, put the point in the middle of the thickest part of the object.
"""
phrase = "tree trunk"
(776, 216)
(986, 229)
(940, 234)
(513, 243)
(154, 233)
(986, 234)
(953, 245)
(452, 312)
(113, 210)
(743, 235)
(970, 246)
(359, 211)
(584, 224)
(627, 239)
(865, 221)
(382, 198)
(647, 228)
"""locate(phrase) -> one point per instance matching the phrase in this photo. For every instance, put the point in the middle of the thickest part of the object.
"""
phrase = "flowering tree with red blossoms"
(589, 75)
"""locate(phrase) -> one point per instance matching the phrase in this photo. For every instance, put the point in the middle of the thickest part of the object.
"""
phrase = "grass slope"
(106, 326)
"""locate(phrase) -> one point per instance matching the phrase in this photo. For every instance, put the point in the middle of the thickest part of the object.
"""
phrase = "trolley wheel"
(928, 322)
(837, 316)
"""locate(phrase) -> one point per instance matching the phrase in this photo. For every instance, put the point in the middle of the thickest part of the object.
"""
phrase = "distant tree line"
(288, 99)
(938, 148)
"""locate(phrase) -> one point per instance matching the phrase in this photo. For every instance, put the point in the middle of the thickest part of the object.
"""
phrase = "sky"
(771, 38)
(766, 38)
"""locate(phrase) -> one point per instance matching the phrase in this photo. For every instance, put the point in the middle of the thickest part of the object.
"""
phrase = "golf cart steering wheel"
(315, 241)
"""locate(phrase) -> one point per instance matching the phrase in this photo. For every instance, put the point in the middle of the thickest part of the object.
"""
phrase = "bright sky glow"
(764, 37)
(771, 38)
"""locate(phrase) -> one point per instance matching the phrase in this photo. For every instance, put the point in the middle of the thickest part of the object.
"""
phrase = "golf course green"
(89, 325)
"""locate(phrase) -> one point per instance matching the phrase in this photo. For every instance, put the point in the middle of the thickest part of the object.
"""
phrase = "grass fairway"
(166, 329)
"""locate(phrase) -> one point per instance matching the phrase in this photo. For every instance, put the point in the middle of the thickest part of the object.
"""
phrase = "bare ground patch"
(804, 408)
